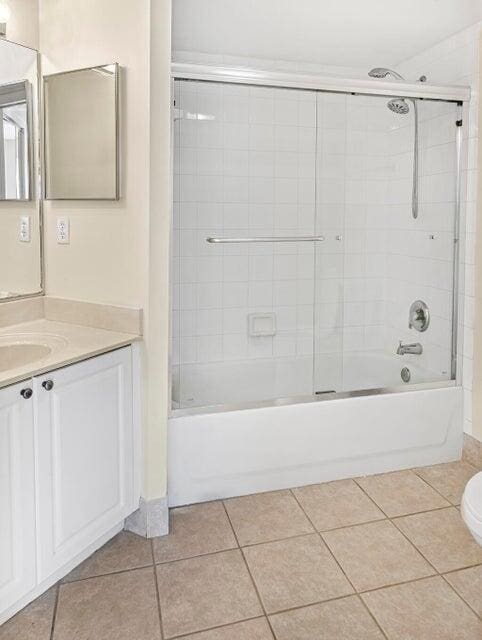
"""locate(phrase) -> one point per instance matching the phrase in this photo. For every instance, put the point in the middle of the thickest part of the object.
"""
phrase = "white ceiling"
(332, 32)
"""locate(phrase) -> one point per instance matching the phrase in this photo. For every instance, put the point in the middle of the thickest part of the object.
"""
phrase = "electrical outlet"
(24, 234)
(63, 230)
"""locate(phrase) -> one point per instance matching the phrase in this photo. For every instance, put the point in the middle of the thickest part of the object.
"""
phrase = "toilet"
(471, 506)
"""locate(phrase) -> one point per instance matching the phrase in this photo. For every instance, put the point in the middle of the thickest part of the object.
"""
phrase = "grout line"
(54, 613)
(444, 576)
(156, 585)
(219, 626)
(250, 574)
(341, 568)
(196, 555)
(432, 487)
(412, 544)
(103, 575)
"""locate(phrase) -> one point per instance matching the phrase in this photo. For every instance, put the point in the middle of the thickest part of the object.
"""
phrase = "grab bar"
(266, 239)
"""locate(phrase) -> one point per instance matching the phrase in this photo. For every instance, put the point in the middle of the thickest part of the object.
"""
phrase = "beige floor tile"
(250, 630)
(194, 531)
(125, 551)
(337, 504)
(122, 606)
(345, 619)
(448, 479)
(295, 572)
(468, 584)
(424, 610)
(401, 493)
(267, 516)
(375, 555)
(442, 537)
(204, 592)
(34, 622)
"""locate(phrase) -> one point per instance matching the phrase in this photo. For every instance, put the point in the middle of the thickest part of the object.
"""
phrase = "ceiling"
(349, 33)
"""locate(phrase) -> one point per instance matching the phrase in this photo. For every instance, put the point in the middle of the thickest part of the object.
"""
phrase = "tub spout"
(414, 347)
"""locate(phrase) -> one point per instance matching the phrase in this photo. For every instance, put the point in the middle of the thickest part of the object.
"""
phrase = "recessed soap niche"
(261, 324)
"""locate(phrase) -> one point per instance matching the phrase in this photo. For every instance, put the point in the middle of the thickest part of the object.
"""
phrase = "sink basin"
(20, 349)
(18, 355)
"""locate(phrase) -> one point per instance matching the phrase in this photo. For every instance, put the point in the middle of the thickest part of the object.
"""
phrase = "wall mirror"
(81, 134)
(20, 207)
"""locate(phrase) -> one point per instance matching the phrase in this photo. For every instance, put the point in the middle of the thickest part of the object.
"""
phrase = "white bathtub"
(220, 454)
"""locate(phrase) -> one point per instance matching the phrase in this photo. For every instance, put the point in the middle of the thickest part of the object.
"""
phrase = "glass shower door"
(390, 229)
(244, 243)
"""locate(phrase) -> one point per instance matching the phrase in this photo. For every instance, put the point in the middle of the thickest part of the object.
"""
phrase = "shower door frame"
(327, 84)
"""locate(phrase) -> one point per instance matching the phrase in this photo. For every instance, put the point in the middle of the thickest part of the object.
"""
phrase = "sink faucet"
(414, 347)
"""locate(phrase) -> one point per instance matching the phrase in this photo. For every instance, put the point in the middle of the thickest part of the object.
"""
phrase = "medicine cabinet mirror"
(81, 134)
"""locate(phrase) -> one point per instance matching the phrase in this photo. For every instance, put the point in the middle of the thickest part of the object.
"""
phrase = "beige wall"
(118, 252)
(158, 317)
(23, 24)
(107, 259)
(477, 380)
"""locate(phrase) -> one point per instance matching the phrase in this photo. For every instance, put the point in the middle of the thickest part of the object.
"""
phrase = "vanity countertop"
(58, 343)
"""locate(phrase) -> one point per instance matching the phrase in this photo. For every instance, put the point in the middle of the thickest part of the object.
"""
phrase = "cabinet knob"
(48, 385)
(26, 393)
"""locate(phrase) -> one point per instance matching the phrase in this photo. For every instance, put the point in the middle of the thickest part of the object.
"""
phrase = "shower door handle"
(266, 239)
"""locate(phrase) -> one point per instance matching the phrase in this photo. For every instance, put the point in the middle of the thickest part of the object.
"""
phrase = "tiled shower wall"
(456, 61)
(252, 161)
(420, 251)
(361, 289)
(246, 167)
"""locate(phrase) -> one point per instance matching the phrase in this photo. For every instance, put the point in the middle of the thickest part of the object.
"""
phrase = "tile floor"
(380, 557)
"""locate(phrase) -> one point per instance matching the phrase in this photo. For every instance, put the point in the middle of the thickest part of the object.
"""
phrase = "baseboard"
(150, 520)
(472, 451)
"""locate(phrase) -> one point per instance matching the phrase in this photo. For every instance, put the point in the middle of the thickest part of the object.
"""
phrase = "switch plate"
(24, 234)
(63, 230)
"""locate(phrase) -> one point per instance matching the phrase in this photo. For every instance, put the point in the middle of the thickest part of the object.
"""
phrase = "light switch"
(63, 230)
(24, 235)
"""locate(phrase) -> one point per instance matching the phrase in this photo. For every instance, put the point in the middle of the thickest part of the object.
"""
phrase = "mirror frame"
(36, 191)
(117, 195)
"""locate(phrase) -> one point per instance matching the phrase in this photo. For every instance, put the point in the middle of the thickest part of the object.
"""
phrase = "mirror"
(81, 134)
(15, 140)
(20, 241)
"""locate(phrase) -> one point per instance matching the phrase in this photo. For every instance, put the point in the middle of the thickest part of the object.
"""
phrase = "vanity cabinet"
(84, 455)
(17, 495)
(67, 470)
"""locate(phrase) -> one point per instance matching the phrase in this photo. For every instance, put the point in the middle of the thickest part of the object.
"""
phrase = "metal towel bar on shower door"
(266, 239)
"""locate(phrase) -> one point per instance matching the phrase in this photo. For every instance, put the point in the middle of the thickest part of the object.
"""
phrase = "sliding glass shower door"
(245, 243)
(387, 200)
(296, 255)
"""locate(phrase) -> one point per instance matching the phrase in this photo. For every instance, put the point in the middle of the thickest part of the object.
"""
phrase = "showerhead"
(398, 105)
(381, 72)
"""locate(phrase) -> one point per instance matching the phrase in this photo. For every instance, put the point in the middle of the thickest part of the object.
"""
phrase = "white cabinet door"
(17, 495)
(84, 454)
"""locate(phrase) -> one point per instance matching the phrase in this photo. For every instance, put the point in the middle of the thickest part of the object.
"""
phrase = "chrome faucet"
(414, 347)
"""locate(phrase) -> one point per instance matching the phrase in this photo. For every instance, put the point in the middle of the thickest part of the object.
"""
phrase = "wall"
(456, 61)
(253, 161)
(118, 250)
(75, 35)
(477, 373)
(23, 26)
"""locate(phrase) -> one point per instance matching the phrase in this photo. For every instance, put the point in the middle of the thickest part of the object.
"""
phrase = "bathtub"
(220, 452)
